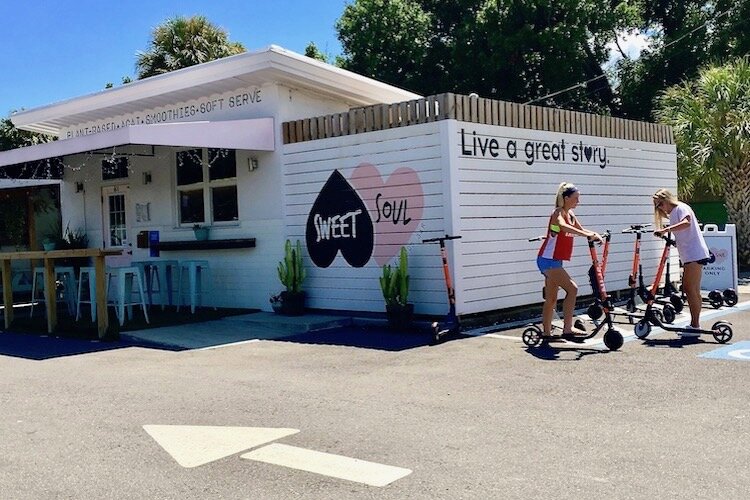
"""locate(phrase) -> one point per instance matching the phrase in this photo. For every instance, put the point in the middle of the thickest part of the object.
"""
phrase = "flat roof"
(273, 64)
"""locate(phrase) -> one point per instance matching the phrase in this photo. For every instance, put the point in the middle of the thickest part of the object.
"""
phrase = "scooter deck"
(576, 339)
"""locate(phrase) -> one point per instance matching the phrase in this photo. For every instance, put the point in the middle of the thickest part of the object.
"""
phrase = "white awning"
(253, 135)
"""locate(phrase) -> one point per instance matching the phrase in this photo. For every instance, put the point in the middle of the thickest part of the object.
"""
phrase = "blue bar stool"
(161, 272)
(193, 271)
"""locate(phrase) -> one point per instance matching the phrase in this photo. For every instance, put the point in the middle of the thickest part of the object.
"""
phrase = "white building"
(276, 128)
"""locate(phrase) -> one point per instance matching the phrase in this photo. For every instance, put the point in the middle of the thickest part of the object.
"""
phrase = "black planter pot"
(399, 317)
(290, 304)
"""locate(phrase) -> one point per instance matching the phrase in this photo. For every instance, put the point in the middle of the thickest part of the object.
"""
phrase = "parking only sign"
(722, 273)
(736, 352)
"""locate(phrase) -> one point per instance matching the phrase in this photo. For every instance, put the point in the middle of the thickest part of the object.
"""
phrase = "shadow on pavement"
(369, 337)
(676, 343)
(547, 352)
(39, 347)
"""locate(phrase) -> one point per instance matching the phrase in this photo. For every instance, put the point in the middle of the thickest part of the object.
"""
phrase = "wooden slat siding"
(474, 110)
(378, 117)
(414, 113)
(433, 108)
(459, 108)
(368, 118)
(322, 127)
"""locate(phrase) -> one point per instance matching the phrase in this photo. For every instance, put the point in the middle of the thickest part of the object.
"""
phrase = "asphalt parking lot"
(478, 417)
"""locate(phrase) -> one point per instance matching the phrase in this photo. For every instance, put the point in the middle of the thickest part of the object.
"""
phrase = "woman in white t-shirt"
(691, 246)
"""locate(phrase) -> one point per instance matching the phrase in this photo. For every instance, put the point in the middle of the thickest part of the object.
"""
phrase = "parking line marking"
(327, 464)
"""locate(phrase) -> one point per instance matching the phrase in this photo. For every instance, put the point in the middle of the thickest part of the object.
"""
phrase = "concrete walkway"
(234, 329)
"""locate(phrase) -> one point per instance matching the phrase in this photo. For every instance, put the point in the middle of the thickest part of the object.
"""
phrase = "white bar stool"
(67, 275)
(125, 278)
(89, 273)
(194, 270)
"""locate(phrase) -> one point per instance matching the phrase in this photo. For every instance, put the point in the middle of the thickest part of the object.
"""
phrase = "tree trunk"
(737, 200)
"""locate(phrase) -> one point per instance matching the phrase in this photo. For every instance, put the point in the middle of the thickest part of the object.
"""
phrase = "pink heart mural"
(395, 206)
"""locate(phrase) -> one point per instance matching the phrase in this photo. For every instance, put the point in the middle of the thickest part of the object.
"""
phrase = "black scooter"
(533, 336)
(450, 324)
(721, 330)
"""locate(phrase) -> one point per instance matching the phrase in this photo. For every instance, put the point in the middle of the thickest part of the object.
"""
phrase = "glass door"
(116, 224)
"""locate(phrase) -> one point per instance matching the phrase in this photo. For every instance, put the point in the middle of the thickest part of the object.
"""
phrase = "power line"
(603, 75)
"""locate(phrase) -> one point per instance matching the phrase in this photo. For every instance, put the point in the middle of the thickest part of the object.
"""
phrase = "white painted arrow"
(194, 445)
(327, 464)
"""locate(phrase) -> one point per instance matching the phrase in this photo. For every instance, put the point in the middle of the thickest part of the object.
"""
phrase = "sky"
(56, 50)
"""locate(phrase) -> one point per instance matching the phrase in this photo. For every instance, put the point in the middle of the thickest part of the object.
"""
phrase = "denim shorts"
(544, 264)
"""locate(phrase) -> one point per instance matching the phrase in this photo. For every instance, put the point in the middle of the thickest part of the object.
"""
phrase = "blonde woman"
(691, 246)
(556, 248)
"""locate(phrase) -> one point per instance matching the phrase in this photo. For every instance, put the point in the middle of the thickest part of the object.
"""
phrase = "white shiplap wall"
(495, 204)
(308, 165)
(501, 202)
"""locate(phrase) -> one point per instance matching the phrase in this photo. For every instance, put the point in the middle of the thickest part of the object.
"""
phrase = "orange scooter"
(721, 330)
(533, 336)
(450, 324)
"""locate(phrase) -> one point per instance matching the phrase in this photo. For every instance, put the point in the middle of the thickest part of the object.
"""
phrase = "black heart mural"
(339, 220)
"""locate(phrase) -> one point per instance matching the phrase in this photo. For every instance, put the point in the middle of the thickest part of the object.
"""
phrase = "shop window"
(206, 186)
(114, 168)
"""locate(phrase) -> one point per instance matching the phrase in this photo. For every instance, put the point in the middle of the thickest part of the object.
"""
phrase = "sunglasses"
(658, 205)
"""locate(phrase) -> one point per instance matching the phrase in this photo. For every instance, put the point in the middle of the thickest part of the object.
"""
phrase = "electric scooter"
(721, 330)
(533, 336)
(450, 324)
(631, 312)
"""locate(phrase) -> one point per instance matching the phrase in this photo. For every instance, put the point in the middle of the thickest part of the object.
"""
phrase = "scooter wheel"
(676, 302)
(642, 329)
(595, 311)
(579, 324)
(730, 297)
(613, 339)
(532, 336)
(722, 332)
(715, 299)
(668, 314)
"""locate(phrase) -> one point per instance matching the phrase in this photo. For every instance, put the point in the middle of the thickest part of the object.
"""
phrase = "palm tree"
(184, 41)
(711, 121)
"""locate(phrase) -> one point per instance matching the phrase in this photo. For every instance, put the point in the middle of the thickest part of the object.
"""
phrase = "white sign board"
(722, 273)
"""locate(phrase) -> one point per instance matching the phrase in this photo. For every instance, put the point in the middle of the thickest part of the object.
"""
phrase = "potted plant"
(72, 240)
(49, 243)
(291, 274)
(394, 284)
(53, 238)
(201, 232)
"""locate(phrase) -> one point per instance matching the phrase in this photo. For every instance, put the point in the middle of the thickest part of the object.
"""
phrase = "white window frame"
(206, 187)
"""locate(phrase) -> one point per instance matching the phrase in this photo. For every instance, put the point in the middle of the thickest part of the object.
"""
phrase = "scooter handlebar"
(442, 238)
(538, 238)
(668, 239)
(637, 228)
